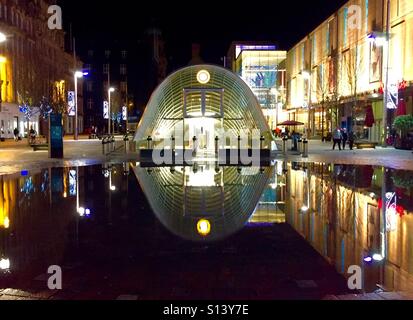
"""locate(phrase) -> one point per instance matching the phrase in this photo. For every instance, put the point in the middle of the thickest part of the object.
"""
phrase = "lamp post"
(386, 88)
(77, 75)
(307, 76)
(110, 91)
(3, 38)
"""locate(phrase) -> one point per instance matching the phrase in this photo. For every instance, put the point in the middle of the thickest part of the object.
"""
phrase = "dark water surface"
(288, 231)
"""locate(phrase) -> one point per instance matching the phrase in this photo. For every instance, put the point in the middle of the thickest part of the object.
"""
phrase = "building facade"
(33, 65)
(262, 67)
(336, 75)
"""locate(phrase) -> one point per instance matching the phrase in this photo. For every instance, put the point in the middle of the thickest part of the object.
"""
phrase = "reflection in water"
(205, 202)
(343, 219)
(336, 208)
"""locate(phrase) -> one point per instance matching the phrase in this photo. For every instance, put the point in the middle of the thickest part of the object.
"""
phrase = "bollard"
(216, 146)
(305, 148)
(194, 139)
(300, 146)
(239, 142)
(149, 145)
(285, 139)
(262, 139)
(103, 145)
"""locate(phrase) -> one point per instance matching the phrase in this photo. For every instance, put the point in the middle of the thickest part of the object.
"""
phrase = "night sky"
(214, 24)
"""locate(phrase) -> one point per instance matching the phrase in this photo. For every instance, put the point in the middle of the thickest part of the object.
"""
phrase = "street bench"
(365, 145)
(40, 146)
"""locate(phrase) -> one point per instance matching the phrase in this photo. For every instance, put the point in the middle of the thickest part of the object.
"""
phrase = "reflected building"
(204, 202)
(338, 210)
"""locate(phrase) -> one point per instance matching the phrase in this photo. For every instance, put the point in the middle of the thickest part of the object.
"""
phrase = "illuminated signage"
(71, 107)
(124, 113)
(105, 110)
(72, 182)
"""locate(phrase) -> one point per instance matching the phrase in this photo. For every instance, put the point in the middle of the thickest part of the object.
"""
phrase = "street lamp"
(77, 75)
(110, 91)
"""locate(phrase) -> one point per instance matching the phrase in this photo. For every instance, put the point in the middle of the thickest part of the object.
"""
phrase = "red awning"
(369, 117)
(401, 109)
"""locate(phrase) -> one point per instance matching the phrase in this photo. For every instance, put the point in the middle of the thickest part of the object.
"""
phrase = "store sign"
(71, 107)
(105, 110)
(124, 113)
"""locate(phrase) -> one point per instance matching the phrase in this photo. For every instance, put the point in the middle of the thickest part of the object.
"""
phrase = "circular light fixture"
(204, 227)
(304, 208)
(368, 259)
(203, 77)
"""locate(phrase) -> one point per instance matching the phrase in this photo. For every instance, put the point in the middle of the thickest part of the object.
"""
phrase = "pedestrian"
(32, 136)
(337, 138)
(351, 139)
(344, 137)
(16, 134)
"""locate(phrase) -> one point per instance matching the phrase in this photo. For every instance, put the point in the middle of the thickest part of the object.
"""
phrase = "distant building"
(262, 66)
(33, 65)
(109, 65)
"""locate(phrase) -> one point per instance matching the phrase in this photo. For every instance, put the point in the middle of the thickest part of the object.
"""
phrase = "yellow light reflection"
(204, 227)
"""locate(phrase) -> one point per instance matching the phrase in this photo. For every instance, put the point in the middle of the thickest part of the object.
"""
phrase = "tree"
(352, 66)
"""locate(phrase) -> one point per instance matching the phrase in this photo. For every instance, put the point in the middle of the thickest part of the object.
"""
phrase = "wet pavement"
(289, 231)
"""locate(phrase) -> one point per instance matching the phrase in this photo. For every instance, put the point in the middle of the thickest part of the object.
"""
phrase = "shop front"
(11, 118)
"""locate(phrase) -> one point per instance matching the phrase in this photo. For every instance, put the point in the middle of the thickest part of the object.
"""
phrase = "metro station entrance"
(203, 118)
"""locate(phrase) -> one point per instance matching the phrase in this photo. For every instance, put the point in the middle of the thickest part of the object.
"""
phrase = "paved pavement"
(322, 152)
(15, 156)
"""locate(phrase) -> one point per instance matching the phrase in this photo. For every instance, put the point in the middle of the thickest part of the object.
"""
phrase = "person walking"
(337, 138)
(344, 138)
(16, 134)
(351, 139)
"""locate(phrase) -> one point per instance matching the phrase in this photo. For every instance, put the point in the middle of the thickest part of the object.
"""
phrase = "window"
(345, 26)
(90, 53)
(90, 104)
(106, 68)
(124, 86)
(123, 69)
(124, 54)
(89, 86)
(107, 54)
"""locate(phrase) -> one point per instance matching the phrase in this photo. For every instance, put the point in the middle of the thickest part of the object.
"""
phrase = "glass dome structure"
(201, 101)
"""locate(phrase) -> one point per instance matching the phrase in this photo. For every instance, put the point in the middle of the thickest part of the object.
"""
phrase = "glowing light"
(306, 75)
(79, 74)
(368, 259)
(304, 208)
(111, 90)
(81, 211)
(65, 194)
(203, 77)
(378, 257)
(112, 188)
(3, 59)
(204, 227)
(4, 264)
(87, 212)
(3, 37)
(375, 95)
(6, 222)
